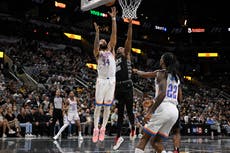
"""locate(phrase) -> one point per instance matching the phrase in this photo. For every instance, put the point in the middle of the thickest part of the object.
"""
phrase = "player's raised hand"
(130, 21)
(96, 27)
(113, 12)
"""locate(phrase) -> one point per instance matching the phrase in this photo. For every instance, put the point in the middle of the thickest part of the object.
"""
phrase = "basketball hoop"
(129, 8)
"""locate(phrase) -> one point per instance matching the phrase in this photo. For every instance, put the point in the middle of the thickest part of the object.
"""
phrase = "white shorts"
(162, 120)
(105, 91)
(73, 116)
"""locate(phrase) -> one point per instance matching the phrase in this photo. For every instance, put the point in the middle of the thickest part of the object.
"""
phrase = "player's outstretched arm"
(145, 74)
(113, 37)
(128, 41)
(96, 41)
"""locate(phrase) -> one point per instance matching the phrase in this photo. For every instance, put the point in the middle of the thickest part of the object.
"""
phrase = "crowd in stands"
(26, 112)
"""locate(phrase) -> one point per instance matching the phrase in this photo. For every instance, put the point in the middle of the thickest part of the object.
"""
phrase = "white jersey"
(106, 65)
(72, 105)
(171, 89)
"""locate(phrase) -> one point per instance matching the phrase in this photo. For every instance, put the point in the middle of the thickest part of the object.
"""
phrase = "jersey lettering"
(172, 91)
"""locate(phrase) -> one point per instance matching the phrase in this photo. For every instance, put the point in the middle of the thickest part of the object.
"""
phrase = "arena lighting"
(73, 36)
(1, 54)
(188, 78)
(193, 30)
(97, 13)
(136, 50)
(228, 29)
(185, 22)
(135, 22)
(160, 28)
(207, 54)
(60, 5)
(91, 66)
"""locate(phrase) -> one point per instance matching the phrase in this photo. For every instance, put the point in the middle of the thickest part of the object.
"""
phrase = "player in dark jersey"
(162, 113)
(124, 87)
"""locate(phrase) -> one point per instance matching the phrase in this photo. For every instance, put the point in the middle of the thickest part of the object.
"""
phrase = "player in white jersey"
(105, 85)
(163, 113)
(70, 115)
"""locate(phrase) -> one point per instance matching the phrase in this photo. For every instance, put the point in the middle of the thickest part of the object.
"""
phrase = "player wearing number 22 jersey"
(163, 113)
(166, 114)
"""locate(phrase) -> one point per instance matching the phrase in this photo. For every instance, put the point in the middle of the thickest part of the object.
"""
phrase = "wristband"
(113, 18)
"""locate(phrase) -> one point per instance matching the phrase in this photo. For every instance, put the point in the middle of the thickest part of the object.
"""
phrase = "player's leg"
(78, 124)
(129, 109)
(176, 140)
(108, 102)
(98, 104)
(120, 106)
(157, 144)
(67, 119)
(60, 131)
(149, 130)
(142, 143)
(170, 116)
(176, 135)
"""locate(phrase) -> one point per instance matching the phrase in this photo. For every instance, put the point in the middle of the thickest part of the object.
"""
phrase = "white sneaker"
(80, 137)
(55, 137)
(118, 143)
(4, 135)
(11, 131)
(31, 135)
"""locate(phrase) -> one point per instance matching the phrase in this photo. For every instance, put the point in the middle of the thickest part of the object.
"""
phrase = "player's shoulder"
(161, 71)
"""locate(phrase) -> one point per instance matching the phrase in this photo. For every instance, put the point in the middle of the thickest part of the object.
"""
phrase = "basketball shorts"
(105, 88)
(162, 120)
(177, 125)
(73, 116)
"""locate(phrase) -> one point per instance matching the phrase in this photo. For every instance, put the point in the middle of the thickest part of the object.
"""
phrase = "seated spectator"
(4, 124)
(13, 121)
(86, 121)
(24, 122)
(44, 123)
(33, 118)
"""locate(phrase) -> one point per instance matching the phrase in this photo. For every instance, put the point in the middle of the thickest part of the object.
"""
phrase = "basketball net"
(129, 8)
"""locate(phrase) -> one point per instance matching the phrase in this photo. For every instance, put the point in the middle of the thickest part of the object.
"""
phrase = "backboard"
(91, 4)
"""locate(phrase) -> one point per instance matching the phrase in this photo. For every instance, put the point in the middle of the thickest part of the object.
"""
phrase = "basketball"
(110, 3)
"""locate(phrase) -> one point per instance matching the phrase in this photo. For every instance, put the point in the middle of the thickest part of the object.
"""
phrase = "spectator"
(13, 121)
(4, 124)
(24, 122)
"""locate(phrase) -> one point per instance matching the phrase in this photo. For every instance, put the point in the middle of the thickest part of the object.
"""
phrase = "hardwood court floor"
(72, 145)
